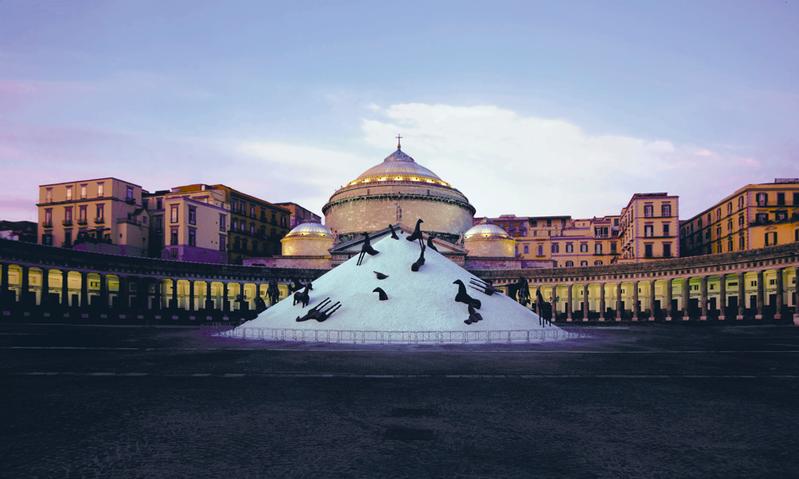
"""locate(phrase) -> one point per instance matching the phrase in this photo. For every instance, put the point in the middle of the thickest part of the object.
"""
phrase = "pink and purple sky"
(530, 108)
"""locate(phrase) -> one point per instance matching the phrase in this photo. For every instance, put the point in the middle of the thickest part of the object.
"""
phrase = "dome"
(486, 231)
(398, 166)
(310, 229)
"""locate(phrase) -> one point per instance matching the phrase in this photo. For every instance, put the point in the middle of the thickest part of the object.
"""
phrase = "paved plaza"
(677, 400)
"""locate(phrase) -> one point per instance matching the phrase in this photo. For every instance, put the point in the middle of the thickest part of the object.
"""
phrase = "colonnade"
(42, 286)
(756, 294)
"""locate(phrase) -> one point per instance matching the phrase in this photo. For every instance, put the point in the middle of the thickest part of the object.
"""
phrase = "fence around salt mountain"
(402, 337)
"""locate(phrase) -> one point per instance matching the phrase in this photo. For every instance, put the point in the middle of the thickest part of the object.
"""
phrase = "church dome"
(398, 191)
(310, 229)
(486, 231)
(398, 166)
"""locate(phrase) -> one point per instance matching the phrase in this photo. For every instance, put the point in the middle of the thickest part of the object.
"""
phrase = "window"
(100, 217)
(729, 244)
(667, 250)
(47, 239)
(541, 249)
(583, 247)
(82, 214)
(761, 218)
(583, 263)
(612, 248)
(252, 229)
(569, 248)
(100, 189)
(762, 199)
(69, 193)
(234, 224)
(173, 236)
(771, 238)
(83, 192)
(648, 231)
(598, 262)
(222, 242)
(48, 217)
(48, 196)
(781, 215)
(192, 237)
(718, 214)
(648, 211)
(729, 226)
(67, 237)
(741, 242)
(68, 215)
(569, 264)
(597, 248)
(222, 221)
(740, 220)
(729, 208)
(796, 234)
(781, 199)
(159, 203)
(648, 250)
(158, 223)
(129, 193)
(252, 211)
(555, 248)
(666, 229)
(173, 213)
(192, 215)
(526, 249)
(665, 209)
(796, 199)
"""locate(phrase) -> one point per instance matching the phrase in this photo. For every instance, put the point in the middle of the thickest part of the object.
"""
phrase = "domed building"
(398, 191)
(307, 239)
(489, 241)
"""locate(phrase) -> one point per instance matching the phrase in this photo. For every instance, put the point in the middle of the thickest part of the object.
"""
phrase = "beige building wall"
(739, 222)
(96, 207)
(194, 230)
(649, 228)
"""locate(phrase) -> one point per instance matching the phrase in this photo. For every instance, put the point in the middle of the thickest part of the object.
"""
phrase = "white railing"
(402, 337)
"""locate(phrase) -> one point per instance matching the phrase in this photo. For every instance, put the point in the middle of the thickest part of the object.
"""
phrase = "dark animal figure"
(381, 295)
(321, 311)
(463, 296)
(393, 233)
(417, 232)
(303, 297)
(260, 305)
(474, 316)
(419, 262)
(380, 275)
(294, 286)
(482, 286)
(272, 292)
(366, 248)
(430, 243)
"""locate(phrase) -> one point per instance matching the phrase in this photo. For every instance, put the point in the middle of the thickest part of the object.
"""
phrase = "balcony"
(99, 220)
(47, 224)
(67, 222)
(130, 201)
(82, 221)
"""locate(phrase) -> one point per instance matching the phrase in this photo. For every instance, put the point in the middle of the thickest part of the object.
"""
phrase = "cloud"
(506, 162)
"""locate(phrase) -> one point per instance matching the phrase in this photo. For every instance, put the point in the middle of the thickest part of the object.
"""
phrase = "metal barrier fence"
(403, 337)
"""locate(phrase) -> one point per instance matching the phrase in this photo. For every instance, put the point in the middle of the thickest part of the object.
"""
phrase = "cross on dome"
(399, 145)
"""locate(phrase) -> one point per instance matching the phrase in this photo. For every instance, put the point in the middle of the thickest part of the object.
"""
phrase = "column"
(686, 299)
(84, 289)
(723, 297)
(741, 296)
(636, 306)
(569, 302)
(209, 303)
(760, 292)
(243, 298)
(173, 303)
(225, 302)
(618, 301)
(103, 290)
(64, 288)
(652, 300)
(554, 302)
(778, 303)
(602, 307)
(45, 300)
(586, 309)
(123, 295)
(703, 298)
(25, 289)
(668, 299)
(4, 281)
(157, 294)
(191, 295)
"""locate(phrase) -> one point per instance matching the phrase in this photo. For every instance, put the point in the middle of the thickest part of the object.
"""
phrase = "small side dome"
(310, 229)
(486, 231)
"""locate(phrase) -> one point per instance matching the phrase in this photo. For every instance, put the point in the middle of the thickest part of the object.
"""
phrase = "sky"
(528, 108)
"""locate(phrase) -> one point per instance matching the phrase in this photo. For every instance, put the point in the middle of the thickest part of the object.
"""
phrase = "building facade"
(649, 228)
(104, 213)
(195, 230)
(754, 216)
(299, 215)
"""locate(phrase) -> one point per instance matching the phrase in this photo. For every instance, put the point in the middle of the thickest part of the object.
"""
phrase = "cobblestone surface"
(647, 401)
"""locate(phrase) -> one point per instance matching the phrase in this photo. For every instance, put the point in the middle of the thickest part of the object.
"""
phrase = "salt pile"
(420, 307)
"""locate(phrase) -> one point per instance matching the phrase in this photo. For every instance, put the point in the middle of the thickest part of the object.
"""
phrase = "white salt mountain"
(421, 305)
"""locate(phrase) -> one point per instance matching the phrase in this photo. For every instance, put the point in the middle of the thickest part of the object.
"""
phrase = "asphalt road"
(639, 401)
